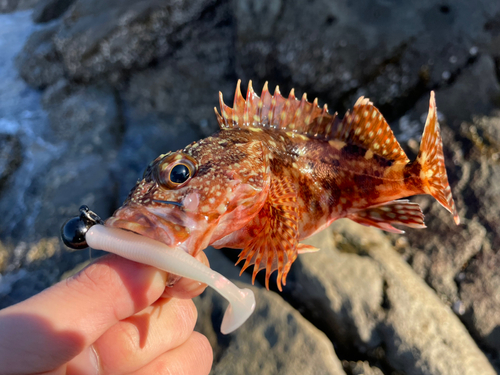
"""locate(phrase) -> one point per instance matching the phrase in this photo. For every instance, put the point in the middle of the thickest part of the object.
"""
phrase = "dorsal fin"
(364, 126)
(276, 112)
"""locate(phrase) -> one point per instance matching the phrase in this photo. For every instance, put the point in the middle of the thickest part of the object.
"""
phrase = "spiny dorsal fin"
(276, 112)
(366, 127)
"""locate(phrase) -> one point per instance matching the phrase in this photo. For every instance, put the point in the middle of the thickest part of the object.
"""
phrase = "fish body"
(278, 171)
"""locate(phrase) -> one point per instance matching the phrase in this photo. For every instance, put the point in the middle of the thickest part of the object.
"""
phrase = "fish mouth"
(141, 221)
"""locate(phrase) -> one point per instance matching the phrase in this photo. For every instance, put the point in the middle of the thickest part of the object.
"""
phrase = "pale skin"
(113, 317)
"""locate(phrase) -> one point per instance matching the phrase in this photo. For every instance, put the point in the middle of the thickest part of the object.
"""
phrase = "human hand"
(107, 319)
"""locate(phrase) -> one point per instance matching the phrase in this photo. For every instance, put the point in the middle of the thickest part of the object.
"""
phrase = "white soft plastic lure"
(145, 250)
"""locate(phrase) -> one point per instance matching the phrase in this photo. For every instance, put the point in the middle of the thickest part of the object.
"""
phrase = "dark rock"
(186, 85)
(386, 50)
(146, 137)
(8, 6)
(105, 38)
(10, 157)
(276, 339)
(47, 10)
(39, 63)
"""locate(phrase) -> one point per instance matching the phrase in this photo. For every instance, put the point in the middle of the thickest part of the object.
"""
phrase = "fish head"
(192, 197)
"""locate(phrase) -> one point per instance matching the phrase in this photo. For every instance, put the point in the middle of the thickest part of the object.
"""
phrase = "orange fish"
(280, 170)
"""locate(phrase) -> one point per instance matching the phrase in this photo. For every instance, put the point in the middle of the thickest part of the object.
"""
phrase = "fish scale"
(278, 171)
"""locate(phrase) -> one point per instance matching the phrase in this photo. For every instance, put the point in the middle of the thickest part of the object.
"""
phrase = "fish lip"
(142, 222)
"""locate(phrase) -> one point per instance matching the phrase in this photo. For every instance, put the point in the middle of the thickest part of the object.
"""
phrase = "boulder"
(39, 63)
(360, 292)
(106, 38)
(276, 339)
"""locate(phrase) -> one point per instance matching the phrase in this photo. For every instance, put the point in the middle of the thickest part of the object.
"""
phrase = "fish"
(280, 170)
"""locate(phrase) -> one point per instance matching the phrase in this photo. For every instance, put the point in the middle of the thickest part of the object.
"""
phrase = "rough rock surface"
(122, 81)
(39, 62)
(276, 339)
(47, 10)
(99, 38)
(7, 6)
(361, 293)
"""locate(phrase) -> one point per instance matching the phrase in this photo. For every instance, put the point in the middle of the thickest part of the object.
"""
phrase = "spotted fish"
(278, 171)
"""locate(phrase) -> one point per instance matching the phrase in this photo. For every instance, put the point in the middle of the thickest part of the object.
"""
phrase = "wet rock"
(276, 339)
(383, 49)
(105, 38)
(187, 83)
(364, 296)
(147, 136)
(47, 10)
(39, 63)
(10, 157)
(7, 6)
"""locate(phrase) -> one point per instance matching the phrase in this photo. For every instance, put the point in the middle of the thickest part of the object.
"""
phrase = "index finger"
(47, 330)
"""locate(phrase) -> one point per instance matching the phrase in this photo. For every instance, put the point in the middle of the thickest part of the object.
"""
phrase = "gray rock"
(147, 135)
(104, 38)
(47, 10)
(8, 6)
(457, 265)
(10, 157)
(387, 50)
(374, 301)
(276, 339)
(39, 63)
(361, 368)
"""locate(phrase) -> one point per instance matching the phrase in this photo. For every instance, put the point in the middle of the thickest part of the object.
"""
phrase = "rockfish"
(278, 171)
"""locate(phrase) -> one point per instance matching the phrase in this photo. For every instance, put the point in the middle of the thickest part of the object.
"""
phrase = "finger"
(139, 339)
(194, 357)
(187, 288)
(49, 329)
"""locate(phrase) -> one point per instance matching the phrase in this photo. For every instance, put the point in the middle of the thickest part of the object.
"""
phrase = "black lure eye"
(180, 174)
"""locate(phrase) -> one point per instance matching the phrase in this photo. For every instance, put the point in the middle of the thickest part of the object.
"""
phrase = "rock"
(105, 38)
(457, 265)
(392, 52)
(146, 137)
(276, 339)
(187, 83)
(361, 368)
(371, 300)
(7, 6)
(39, 63)
(47, 10)
(10, 157)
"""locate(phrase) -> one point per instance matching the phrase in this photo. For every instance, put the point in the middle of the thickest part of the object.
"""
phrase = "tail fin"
(431, 161)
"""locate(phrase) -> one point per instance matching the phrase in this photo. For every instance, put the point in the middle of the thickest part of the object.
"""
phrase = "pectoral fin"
(274, 246)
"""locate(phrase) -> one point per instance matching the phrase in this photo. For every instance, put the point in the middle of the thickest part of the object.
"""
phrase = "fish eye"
(180, 173)
(177, 173)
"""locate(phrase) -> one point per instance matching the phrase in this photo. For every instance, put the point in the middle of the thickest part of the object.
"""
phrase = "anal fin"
(402, 212)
